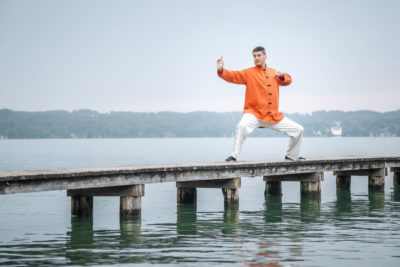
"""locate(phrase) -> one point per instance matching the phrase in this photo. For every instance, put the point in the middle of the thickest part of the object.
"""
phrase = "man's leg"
(295, 131)
(246, 125)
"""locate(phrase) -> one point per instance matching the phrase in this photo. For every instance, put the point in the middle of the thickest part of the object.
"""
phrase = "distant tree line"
(92, 124)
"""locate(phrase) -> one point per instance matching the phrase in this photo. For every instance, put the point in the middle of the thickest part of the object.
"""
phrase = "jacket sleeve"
(286, 81)
(239, 77)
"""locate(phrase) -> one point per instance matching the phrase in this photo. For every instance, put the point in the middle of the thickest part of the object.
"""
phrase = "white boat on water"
(337, 129)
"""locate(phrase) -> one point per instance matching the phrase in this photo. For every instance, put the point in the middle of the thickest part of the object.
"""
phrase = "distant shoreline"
(88, 124)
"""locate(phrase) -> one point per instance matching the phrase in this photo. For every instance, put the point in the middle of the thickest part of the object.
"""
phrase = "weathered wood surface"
(34, 181)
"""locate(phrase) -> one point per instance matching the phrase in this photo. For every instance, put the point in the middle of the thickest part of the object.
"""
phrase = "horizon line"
(193, 111)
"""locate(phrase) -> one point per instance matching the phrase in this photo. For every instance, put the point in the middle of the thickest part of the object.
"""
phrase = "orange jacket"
(262, 91)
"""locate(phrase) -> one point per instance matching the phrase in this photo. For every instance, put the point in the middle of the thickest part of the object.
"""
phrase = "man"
(261, 107)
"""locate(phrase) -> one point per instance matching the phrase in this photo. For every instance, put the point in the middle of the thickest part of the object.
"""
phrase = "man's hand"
(279, 74)
(220, 64)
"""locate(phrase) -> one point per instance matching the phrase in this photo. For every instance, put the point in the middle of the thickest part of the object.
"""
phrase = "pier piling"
(231, 197)
(130, 199)
(343, 181)
(130, 206)
(396, 176)
(273, 188)
(310, 183)
(186, 191)
(312, 188)
(81, 206)
(376, 179)
(128, 182)
(186, 195)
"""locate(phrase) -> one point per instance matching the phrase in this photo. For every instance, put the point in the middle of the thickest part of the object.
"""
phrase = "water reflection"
(81, 234)
(273, 208)
(281, 233)
(231, 216)
(267, 255)
(186, 223)
(130, 229)
(231, 226)
(376, 200)
(80, 240)
(396, 192)
(310, 208)
(343, 202)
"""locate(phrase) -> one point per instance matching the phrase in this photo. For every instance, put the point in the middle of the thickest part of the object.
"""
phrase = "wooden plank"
(222, 183)
(128, 191)
(34, 181)
(275, 167)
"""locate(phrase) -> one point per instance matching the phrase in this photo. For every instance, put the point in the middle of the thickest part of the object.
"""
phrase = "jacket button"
(269, 102)
(269, 112)
(270, 93)
(269, 85)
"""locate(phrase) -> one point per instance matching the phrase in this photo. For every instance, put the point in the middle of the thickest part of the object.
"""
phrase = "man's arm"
(239, 77)
(283, 78)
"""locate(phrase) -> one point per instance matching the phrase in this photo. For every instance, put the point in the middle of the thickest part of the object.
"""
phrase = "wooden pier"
(128, 183)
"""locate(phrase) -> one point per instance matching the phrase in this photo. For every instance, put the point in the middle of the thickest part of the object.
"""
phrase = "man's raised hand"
(220, 64)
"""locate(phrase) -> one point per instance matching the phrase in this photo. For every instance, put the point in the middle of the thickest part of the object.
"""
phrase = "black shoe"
(231, 159)
(300, 158)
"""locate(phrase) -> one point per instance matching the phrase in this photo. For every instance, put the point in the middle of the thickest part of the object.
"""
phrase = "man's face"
(259, 58)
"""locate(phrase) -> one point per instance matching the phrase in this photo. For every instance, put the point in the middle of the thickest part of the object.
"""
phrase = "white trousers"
(249, 122)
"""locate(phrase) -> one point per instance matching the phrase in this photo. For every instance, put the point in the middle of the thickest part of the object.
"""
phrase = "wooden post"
(343, 181)
(231, 197)
(273, 188)
(130, 206)
(186, 195)
(81, 206)
(376, 179)
(186, 191)
(130, 198)
(312, 188)
(396, 176)
(310, 182)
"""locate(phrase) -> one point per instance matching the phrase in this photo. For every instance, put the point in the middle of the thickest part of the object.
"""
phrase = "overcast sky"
(161, 55)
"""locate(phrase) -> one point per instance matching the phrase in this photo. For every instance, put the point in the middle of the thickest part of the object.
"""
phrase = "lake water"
(346, 228)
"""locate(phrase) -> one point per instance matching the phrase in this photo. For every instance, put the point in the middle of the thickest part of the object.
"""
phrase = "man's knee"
(242, 125)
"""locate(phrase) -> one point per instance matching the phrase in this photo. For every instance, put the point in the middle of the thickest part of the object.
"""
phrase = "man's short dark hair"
(259, 49)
